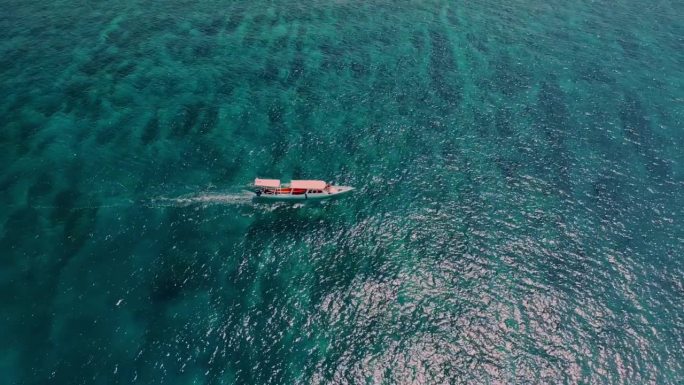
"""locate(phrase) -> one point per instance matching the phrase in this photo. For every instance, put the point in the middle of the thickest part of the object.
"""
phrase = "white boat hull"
(332, 192)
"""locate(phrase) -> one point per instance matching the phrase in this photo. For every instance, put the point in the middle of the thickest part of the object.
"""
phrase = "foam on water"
(243, 198)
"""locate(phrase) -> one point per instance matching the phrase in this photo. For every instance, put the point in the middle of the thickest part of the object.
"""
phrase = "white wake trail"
(208, 199)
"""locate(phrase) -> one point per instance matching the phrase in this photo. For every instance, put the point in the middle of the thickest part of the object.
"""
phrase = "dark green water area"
(518, 218)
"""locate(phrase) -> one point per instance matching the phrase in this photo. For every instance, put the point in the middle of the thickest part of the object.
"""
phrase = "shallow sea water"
(518, 218)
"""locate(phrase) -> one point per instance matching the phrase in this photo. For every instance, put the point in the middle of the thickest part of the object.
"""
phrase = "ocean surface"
(518, 219)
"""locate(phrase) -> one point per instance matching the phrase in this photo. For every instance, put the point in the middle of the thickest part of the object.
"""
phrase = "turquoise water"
(518, 218)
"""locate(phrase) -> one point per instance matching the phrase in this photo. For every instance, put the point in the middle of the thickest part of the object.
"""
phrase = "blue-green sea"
(518, 215)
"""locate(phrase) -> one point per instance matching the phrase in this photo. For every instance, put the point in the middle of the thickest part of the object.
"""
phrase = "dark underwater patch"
(64, 202)
(554, 111)
(83, 100)
(359, 69)
(639, 131)
(20, 229)
(226, 84)
(214, 26)
(77, 90)
(9, 180)
(383, 83)
(452, 16)
(106, 135)
(270, 71)
(280, 44)
(629, 44)
(209, 120)
(477, 41)
(78, 228)
(202, 49)
(504, 122)
(509, 78)
(100, 61)
(297, 68)
(41, 187)
(179, 273)
(443, 69)
(508, 167)
(186, 120)
(418, 41)
(554, 121)
(151, 130)
(177, 49)
(9, 60)
(275, 114)
(49, 104)
(234, 21)
(333, 56)
(167, 285)
(607, 192)
(593, 72)
(633, 120)
(278, 147)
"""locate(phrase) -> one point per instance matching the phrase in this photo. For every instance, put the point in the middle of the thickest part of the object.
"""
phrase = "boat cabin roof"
(308, 184)
(275, 183)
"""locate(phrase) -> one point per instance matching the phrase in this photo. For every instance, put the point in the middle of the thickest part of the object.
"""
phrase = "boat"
(297, 190)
